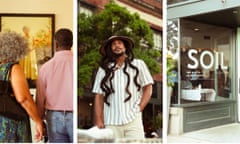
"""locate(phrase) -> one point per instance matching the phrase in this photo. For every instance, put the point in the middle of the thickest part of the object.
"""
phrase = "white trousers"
(132, 130)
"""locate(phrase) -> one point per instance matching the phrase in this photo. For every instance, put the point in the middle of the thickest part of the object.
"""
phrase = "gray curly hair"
(13, 46)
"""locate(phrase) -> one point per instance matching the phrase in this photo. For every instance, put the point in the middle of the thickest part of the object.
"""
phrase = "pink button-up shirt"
(55, 83)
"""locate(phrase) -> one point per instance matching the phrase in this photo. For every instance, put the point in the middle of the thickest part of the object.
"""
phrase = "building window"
(157, 38)
(205, 62)
(85, 9)
(157, 91)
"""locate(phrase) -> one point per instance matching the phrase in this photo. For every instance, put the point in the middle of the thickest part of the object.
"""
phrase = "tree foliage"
(94, 30)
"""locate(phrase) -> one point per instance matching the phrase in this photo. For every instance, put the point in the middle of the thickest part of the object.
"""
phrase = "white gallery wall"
(63, 9)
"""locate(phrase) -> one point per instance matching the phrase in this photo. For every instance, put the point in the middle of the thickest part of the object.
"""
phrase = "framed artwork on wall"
(38, 29)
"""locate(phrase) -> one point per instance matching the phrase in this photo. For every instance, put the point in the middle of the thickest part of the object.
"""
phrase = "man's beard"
(117, 55)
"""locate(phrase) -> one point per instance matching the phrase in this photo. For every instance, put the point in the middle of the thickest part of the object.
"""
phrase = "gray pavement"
(229, 133)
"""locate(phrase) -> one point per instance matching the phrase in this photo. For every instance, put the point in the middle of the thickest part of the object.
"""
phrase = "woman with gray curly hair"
(13, 47)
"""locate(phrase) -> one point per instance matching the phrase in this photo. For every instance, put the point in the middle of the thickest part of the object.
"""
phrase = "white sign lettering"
(213, 59)
(190, 52)
(203, 54)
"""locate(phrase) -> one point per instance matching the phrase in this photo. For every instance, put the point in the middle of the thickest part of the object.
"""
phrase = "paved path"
(223, 134)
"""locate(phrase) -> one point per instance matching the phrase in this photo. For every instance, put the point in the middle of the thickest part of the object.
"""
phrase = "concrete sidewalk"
(229, 133)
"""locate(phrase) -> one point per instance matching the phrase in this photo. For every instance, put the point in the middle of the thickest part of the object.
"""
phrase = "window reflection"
(205, 62)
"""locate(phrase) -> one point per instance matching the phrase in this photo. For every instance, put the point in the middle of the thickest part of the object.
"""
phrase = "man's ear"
(56, 45)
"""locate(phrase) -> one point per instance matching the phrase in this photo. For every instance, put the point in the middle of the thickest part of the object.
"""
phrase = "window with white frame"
(157, 39)
(85, 10)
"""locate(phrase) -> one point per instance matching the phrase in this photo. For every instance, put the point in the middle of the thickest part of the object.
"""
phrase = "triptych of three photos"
(121, 71)
(81, 71)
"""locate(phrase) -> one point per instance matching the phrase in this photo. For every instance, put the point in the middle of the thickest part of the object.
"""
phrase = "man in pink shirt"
(55, 89)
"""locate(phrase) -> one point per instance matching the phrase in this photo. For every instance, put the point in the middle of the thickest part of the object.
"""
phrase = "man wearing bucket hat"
(123, 87)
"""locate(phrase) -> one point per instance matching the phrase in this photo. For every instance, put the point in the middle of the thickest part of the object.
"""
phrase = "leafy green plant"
(170, 71)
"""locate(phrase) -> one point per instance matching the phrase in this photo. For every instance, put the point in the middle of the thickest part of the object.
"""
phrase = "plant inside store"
(113, 20)
(171, 64)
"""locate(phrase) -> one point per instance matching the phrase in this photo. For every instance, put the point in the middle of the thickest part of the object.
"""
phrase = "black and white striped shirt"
(120, 112)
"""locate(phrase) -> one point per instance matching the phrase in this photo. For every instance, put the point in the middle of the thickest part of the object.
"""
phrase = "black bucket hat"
(111, 39)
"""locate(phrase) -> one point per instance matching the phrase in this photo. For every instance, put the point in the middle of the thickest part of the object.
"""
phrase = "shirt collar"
(62, 52)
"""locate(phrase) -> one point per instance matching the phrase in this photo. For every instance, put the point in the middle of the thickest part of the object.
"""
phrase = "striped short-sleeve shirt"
(120, 112)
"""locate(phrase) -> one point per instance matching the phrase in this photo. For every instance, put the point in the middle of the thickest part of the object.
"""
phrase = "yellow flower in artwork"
(43, 39)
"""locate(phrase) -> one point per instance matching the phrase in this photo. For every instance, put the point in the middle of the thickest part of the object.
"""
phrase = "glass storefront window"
(204, 64)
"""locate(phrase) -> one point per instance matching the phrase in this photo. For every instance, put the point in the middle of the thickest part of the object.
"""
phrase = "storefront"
(203, 39)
